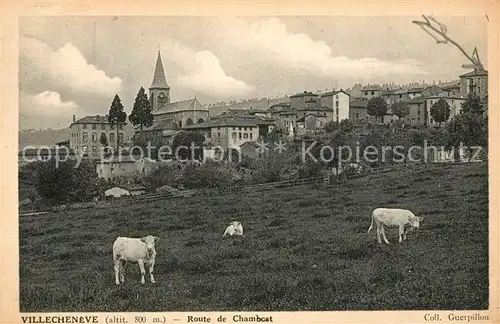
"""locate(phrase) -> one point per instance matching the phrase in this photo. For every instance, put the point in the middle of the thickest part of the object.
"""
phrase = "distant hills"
(41, 137)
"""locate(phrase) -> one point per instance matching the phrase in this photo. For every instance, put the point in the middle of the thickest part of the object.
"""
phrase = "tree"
(331, 126)
(472, 104)
(469, 129)
(117, 117)
(377, 107)
(66, 181)
(141, 112)
(346, 126)
(400, 109)
(182, 143)
(440, 111)
(104, 142)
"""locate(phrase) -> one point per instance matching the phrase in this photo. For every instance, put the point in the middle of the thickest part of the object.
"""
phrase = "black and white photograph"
(244, 163)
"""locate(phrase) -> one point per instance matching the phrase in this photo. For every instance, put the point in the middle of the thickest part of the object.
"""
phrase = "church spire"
(159, 80)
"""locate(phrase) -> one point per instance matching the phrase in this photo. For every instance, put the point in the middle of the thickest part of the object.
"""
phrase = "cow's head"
(235, 223)
(150, 243)
(416, 221)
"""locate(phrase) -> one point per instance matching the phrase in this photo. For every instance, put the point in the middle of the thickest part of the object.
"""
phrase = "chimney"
(98, 118)
(74, 118)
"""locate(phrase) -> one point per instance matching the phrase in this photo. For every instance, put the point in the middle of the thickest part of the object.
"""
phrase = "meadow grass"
(305, 248)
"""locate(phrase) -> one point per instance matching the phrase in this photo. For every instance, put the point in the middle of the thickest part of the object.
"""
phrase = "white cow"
(140, 250)
(391, 218)
(235, 228)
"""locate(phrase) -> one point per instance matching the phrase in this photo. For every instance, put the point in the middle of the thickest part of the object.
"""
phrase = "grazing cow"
(140, 250)
(234, 229)
(394, 217)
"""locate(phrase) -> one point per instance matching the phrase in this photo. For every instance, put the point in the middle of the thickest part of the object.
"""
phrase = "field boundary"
(326, 181)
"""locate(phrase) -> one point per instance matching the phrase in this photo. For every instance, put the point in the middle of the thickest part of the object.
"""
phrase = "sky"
(75, 65)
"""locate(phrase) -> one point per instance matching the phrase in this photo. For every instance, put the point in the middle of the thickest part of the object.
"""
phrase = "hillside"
(305, 248)
(42, 137)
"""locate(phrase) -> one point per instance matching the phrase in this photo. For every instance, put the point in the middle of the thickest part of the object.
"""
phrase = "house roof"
(303, 118)
(417, 100)
(96, 119)
(477, 72)
(332, 93)
(323, 108)
(223, 122)
(288, 113)
(120, 159)
(305, 93)
(415, 90)
(358, 103)
(252, 143)
(190, 104)
(451, 86)
(159, 79)
(370, 89)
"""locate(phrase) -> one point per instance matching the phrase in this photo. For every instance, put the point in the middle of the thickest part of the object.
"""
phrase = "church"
(169, 117)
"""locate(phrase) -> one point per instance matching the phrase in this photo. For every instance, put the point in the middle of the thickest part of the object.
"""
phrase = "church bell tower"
(159, 92)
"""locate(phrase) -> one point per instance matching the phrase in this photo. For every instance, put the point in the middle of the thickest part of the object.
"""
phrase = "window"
(337, 104)
(244, 128)
(233, 135)
(94, 137)
(102, 135)
(366, 93)
(121, 137)
(432, 121)
(239, 128)
(84, 149)
(121, 127)
(209, 134)
(373, 92)
(357, 115)
(234, 128)
(84, 138)
(111, 137)
(251, 135)
(245, 135)
(218, 134)
(103, 126)
(239, 135)
(94, 150)
(111, 126)
(94, 126)
(418, 112)
(337, 97)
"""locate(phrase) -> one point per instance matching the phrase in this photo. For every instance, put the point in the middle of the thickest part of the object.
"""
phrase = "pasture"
(305, 248)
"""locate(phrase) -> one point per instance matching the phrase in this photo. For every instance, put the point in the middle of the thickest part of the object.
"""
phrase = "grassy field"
(305, 248)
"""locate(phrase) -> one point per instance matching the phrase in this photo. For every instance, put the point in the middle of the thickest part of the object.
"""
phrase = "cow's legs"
(143, 271)
(401, 232)
(383, 235)
(151, 269)
(122, 270)
(117, 270)
(379, 240)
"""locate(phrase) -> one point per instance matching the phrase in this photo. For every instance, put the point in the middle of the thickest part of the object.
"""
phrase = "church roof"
(159, 80)
(183, 105)
(160, 125)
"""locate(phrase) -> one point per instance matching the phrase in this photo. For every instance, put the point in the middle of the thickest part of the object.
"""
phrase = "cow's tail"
(371, 225)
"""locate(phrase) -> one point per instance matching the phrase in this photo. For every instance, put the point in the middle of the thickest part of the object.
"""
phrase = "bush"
(64, 182)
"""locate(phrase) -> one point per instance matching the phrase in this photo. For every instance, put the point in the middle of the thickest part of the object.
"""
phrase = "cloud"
(202, 72)
(65, 67)
(301, 52)
(47, 103)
